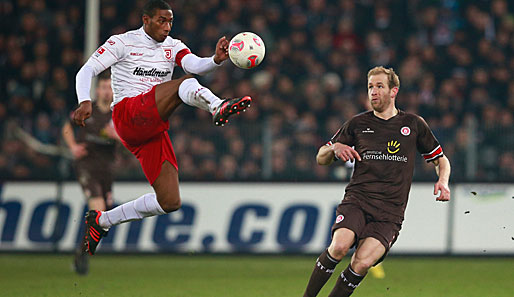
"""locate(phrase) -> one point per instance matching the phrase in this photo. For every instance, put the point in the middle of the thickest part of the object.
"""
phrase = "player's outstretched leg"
(192, 93)
(169, 95)
(93, 231)
(97, 222)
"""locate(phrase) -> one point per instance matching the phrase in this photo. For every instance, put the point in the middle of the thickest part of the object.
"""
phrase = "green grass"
(245, 276)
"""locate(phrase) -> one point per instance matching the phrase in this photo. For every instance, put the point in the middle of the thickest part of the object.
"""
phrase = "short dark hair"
(152, 5)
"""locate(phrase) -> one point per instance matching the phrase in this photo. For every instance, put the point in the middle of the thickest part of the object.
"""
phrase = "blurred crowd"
(455, 60)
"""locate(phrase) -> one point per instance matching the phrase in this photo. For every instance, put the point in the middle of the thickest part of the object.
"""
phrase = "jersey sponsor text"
(140, 71)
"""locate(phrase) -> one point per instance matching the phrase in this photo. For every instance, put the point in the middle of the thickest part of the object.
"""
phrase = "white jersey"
(137, 62)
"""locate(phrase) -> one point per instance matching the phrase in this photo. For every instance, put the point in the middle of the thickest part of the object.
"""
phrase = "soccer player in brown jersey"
(93, 152)
(383, 143)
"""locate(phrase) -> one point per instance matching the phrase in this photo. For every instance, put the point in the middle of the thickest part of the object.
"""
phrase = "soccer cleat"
(229, 107)
(93, 231)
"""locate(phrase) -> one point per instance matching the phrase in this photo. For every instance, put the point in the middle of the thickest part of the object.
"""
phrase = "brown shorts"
(350, 215)
(94, 182)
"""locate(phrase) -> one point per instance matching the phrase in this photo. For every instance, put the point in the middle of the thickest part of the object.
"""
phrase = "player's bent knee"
(338, 250)
(171, 205)
(363, 264)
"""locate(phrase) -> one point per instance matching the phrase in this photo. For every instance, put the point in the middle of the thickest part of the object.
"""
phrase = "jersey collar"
(400, 112)
(148, 37)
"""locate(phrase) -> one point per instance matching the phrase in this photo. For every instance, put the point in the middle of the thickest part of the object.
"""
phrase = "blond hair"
(392, 78)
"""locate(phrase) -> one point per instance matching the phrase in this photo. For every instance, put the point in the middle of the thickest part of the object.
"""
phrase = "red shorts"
(144, 133)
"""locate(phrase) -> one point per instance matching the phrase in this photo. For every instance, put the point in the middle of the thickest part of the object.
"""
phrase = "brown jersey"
(381, 181)
(100, 147)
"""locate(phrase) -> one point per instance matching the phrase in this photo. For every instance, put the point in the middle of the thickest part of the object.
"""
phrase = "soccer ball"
(246, 50)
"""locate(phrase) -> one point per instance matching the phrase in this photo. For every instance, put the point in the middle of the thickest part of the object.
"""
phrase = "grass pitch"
(245, 276)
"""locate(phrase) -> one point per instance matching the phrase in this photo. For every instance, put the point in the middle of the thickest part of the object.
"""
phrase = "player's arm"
(83, 88)
(443, 170)
(78, 150)
(336, 148)
(109, 53)
(325, 155)
(191, 63)
(329, 152)
(432, 151)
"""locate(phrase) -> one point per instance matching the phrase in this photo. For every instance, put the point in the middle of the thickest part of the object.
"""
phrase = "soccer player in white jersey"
(142, 63)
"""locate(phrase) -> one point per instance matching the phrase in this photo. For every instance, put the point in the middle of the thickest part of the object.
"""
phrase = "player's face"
(104, 91)
(379, 93)
(159, 26)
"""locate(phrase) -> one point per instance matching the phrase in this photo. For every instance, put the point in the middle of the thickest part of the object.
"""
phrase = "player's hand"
(221, 53)
(78, 150)
(444, 189)
(82, 113)
(345, 153)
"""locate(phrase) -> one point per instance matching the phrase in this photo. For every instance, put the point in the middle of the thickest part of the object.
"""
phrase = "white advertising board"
(246, 217)
(484, 219)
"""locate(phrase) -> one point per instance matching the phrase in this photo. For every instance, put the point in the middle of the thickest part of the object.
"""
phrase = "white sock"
(144, 206)
(194, 94)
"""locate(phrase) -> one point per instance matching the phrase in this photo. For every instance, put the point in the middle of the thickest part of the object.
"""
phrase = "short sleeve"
(344, 135)
(426, 143)
(178, 46)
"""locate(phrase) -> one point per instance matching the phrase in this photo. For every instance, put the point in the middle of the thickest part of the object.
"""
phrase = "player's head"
(103, 89)
(383, 86)
(157, 19)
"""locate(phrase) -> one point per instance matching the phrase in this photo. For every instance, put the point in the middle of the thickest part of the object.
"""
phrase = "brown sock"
(323, 269)
(346, 283)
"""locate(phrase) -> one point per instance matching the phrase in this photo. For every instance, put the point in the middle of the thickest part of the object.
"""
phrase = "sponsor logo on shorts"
(339, 219)
(405, 131)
